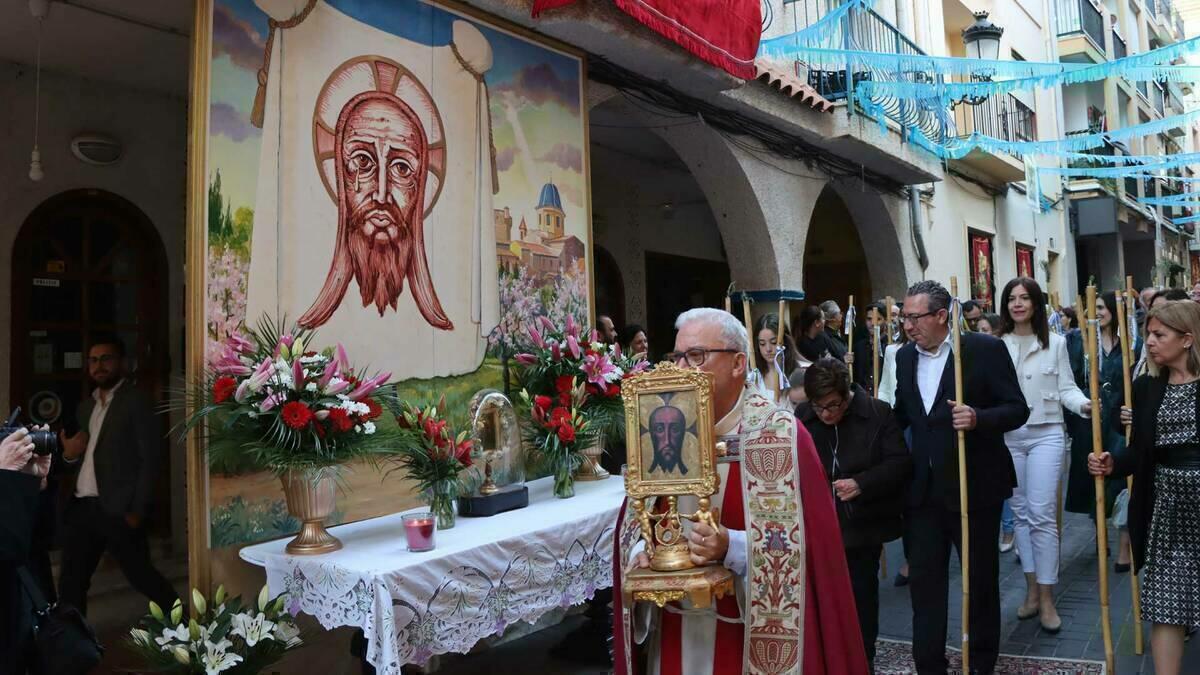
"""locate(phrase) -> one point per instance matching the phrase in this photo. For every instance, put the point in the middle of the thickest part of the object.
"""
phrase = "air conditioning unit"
(96, 149)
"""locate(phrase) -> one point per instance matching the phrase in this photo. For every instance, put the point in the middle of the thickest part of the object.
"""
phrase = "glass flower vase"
(441, 502)
(564, 477)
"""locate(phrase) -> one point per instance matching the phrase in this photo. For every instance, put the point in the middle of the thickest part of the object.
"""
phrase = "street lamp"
(981, 41)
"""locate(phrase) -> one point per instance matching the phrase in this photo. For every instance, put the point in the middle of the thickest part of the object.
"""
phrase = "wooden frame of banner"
(196, 237)
(1091, 337)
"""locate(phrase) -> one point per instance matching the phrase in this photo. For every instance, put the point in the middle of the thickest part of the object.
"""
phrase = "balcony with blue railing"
(1080, 17)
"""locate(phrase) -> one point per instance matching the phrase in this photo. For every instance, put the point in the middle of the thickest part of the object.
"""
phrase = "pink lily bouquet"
(273, 403)
(575, 369)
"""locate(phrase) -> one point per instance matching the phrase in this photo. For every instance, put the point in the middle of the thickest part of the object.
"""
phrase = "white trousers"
(1038, 452)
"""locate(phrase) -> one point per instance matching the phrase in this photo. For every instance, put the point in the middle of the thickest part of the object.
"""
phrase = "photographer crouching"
(22, 477)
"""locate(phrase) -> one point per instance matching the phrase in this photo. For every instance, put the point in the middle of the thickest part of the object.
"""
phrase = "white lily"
(169, 635)
(140, 636)
(216, 659)
(251, 629)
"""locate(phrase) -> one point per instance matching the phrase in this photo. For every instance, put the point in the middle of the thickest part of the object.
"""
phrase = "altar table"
(485, 573)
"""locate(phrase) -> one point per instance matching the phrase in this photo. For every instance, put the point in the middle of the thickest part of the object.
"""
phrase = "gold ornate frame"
(669, 378)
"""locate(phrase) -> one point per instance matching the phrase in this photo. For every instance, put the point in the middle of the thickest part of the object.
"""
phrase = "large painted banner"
(409, 181)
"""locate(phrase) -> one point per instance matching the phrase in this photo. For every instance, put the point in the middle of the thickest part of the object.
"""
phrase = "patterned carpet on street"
(893, 657)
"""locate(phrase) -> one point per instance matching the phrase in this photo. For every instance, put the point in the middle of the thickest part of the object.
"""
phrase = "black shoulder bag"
(65, 642)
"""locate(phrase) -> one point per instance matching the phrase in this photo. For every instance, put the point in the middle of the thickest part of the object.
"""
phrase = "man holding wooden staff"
(992, 404)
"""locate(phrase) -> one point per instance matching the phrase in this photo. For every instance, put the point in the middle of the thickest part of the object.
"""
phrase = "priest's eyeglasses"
(695, 356)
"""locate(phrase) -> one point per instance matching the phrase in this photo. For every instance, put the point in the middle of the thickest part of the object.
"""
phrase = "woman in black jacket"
(868, 465)
(1164, 458)
(21, 478)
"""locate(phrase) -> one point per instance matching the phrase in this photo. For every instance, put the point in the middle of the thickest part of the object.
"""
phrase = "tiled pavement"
(1078, 605)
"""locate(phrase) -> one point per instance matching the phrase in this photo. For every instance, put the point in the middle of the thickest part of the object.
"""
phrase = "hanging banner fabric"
(724, 33)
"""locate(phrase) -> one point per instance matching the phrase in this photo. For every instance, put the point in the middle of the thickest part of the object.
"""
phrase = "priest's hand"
(963, 416)
(708, 545)
(640, 561)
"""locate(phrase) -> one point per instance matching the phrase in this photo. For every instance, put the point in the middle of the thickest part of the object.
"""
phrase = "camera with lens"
(44, 442)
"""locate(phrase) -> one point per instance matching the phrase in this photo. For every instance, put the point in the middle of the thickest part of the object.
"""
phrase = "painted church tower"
(550, 212)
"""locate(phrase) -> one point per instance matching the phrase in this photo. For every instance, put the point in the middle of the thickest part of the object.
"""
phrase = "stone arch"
(878, 228)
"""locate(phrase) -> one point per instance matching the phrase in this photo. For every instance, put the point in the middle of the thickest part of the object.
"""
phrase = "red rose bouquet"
(271, 402)
(435, 459)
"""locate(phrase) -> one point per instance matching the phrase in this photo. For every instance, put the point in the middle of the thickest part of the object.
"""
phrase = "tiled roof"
(791, 85)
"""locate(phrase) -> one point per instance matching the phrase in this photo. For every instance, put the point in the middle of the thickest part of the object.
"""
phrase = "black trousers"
(931, 531)
(863, 562)
(89, 532)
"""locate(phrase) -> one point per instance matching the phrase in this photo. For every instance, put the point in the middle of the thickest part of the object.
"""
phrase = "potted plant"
(272, 403)
(435, 457)
(224, 637)
(584, 374)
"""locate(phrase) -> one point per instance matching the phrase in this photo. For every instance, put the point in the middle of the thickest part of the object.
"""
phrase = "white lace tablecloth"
(485, 573)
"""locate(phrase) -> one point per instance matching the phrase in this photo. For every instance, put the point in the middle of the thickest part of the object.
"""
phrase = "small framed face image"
(669, 432)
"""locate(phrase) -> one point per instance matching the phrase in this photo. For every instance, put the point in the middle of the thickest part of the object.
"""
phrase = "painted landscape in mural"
(407, 181)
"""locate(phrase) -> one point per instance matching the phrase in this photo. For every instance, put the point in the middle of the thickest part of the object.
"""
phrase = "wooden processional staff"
(965, 546)
(1092, 341)
(1125, 312)
(848, 329)
(883, 568)
(779, 344)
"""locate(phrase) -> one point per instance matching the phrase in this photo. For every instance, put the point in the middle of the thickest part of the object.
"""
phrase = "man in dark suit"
(116, 453)
(992, 405)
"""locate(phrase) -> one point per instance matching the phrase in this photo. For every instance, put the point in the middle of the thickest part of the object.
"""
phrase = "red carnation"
(559, 416)
(566, 433)
(339, 420)
(296, 415)
(223, 388)
(564, 383)
(376, 409)
(542, 402)
(614, 389)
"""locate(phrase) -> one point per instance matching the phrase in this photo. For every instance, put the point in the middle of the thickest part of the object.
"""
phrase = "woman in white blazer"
(1038, 448)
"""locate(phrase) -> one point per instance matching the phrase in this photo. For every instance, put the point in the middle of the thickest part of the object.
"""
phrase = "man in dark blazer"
(992, 405)
(116, 456)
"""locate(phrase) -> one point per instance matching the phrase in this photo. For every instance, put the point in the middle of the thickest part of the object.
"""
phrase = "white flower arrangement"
(230, 638)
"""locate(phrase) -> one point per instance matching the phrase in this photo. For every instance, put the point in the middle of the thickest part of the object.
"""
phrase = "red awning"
(722, 32)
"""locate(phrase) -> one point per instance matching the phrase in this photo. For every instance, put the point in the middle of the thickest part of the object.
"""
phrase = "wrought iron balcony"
(1004, 117)
(1080, 17)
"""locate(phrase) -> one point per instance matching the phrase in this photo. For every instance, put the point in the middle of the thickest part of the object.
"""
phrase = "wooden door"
(86, 263)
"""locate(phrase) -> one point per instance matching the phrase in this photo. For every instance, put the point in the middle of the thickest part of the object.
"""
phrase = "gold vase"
(311, 497)
(589, 467)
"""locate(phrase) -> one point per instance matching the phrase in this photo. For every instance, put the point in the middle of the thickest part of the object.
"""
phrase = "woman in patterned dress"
(1164, 458)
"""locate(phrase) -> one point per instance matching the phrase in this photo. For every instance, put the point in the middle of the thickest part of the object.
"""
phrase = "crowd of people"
(889, 457)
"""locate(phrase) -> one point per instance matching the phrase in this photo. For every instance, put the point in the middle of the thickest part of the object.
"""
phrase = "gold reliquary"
(671, 463)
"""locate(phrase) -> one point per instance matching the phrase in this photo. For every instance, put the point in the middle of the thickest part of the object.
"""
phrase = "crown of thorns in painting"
(381, 154)
(669, 430)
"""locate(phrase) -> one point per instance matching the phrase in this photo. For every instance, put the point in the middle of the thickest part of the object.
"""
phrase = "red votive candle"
(419, 529)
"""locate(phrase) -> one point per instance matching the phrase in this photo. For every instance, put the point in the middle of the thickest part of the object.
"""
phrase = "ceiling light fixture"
(39, 9)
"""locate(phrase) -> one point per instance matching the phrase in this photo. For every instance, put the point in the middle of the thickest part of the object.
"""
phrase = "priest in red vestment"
(794, 609)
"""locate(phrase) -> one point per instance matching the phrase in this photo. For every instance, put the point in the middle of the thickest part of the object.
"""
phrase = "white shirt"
(930, 366)
(85, 484)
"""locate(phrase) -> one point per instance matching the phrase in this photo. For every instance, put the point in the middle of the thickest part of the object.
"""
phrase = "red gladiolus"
(566, 433)
(296, 415)
(223, 388)
(339, 420)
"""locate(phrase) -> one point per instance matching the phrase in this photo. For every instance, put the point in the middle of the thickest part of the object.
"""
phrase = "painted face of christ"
(667, 431)
(381, 163)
